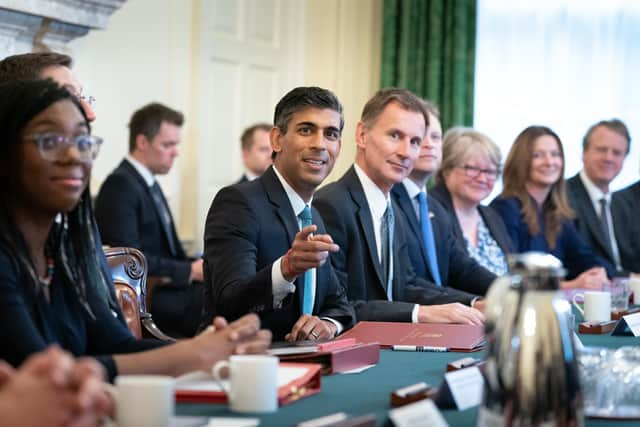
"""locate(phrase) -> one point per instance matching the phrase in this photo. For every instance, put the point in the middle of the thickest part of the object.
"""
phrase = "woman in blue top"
(52, 290)
(533, 205)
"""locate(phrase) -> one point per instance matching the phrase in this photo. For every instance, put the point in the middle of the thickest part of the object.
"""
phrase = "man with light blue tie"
(435, 253)
(266, 248)
(373, 262)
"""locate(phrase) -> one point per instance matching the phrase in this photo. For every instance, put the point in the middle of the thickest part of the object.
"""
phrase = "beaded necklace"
(45, 280)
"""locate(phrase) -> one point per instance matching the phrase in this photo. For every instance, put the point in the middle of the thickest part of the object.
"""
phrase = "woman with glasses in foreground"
(469, 169)
(51, 287)
(533, 205)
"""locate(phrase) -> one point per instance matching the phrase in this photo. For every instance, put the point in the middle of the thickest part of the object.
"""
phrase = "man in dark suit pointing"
(266, 249)
(131, 210)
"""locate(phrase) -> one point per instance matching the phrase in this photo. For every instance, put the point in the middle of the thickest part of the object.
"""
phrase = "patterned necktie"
(307, 292)
(386, 253)
(165, 216)
(427, 238)
(604, 221)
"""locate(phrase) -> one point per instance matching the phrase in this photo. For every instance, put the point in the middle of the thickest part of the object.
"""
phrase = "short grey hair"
(461, 143)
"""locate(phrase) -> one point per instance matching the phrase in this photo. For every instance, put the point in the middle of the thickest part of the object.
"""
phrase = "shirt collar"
(595, 194)
(412, 189)
(375, 197)
(296, 201)
(142, 170)
(250, 175)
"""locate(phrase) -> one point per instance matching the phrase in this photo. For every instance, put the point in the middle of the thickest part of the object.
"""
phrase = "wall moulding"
(36, 25)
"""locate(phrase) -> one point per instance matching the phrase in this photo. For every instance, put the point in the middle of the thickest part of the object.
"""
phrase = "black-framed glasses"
(53, 146)
(474, 172)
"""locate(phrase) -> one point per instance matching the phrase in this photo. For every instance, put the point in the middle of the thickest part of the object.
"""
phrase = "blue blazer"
(457, 268)
(570, 248)
(249, 226)
(345, 210)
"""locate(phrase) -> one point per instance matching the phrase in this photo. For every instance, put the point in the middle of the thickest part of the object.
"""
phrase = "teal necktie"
(307, 294)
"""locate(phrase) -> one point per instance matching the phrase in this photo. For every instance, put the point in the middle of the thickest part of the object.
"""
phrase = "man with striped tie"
(373, 262)
(266, 248)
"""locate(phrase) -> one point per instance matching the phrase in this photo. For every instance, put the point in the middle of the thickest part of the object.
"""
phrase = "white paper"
(466, 386)
(358, 370)
(421, 413)
(633, 321)
(202, 381)
(233, 422)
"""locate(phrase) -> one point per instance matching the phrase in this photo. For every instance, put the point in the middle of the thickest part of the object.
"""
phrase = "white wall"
(152, 51)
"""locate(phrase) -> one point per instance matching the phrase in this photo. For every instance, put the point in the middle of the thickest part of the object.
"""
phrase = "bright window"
(562, 63)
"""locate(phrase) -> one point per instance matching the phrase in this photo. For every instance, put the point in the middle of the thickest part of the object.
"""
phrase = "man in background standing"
(256, 151)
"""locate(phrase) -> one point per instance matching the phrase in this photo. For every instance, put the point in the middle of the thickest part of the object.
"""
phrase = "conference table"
(368, 392)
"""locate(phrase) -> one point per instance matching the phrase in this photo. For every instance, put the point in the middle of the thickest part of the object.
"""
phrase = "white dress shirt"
(377, 201)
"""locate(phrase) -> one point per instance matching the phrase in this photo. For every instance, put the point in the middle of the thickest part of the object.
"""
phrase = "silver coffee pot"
(531, 374)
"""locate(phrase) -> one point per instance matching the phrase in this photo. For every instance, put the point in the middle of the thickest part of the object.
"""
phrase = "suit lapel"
(280, 202)
(406, 205)
(364, 217)
(284, 211)
(589, 214)
(169, 231)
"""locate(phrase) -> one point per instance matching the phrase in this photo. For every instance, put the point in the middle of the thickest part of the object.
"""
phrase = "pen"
(418, 348)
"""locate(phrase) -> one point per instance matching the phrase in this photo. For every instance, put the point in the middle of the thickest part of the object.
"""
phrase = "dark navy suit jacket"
(128, 216)
(345, 210)
(249, 226)
(457, 268)
(570, 249)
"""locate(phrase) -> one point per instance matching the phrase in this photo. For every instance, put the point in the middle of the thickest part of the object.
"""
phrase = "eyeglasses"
(91, 100)
(53, 146)
(474, 172)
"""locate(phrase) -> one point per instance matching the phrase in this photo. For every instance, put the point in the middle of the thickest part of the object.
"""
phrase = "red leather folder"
(460, 338)
(340, 359)
(305, 385)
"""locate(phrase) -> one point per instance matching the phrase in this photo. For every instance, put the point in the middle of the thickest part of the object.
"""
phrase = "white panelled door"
(251, 53)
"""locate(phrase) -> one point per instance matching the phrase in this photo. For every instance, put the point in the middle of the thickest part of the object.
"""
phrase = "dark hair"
(72, 240)
(517, 168)
(410, 102)
(29, 66)
(301, 98)
(247, 136)
(148, 119)
(614, 125)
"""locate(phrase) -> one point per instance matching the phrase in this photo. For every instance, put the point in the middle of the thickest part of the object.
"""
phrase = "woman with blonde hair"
(470, 167)
(534, 207)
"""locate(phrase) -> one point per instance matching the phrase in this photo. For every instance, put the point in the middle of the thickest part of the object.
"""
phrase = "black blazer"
(624, 224)
(345, 210)
(457, 268)
(249, 226)
(127, 216)
(490, 217)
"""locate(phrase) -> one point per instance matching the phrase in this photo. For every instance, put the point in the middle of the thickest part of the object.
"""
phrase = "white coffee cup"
(253, 382)
(634, 286)
(597, 306)
(143, 400)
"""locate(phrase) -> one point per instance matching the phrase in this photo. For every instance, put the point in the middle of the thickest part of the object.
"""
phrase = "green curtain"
(428, 47)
